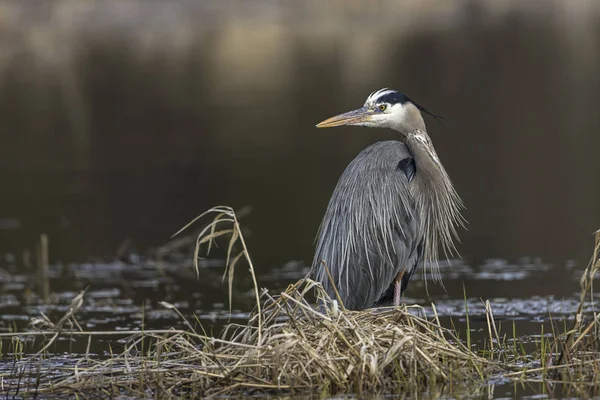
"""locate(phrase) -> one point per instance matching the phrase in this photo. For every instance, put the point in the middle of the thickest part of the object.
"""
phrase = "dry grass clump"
(299, 349)
(287, 345)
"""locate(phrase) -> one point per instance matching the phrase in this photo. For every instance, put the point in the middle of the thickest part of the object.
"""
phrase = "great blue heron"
(391, 209)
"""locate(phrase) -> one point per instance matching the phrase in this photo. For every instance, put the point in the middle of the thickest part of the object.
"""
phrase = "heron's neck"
(437, 200)
(426, 159)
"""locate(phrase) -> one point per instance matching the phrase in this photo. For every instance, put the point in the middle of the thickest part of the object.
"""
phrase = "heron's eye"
(382, 107)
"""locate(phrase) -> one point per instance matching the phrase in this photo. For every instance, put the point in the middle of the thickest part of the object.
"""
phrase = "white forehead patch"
(372, 99)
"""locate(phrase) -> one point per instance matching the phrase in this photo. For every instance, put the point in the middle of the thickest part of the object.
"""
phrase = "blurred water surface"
(127, 119)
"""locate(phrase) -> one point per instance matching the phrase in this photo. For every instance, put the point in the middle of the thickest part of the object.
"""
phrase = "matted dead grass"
(297, 350)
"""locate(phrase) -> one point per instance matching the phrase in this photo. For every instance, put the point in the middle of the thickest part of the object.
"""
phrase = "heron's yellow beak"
(356, 117)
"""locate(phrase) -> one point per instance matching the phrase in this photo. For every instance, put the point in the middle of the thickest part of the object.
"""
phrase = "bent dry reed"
(289, 347)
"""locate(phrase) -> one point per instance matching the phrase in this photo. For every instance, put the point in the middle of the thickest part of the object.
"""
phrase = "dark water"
(121, 121)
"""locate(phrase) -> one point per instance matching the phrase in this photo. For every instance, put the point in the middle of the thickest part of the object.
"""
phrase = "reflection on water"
(125, 296)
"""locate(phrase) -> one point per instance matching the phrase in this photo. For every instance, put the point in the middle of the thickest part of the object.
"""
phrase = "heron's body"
(374, 217)
(391, 208)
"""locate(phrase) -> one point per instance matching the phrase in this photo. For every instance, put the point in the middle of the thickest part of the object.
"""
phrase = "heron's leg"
(398, 287)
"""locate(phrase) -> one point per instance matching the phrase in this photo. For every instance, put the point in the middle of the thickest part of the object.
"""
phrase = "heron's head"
(384, 108)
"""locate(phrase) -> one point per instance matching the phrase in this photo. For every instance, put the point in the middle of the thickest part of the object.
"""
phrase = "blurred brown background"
(127, 119)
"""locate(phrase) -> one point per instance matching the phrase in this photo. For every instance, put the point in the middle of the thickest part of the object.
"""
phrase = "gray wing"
(371, 227)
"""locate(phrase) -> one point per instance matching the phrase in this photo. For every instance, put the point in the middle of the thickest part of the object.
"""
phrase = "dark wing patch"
(407, 166)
